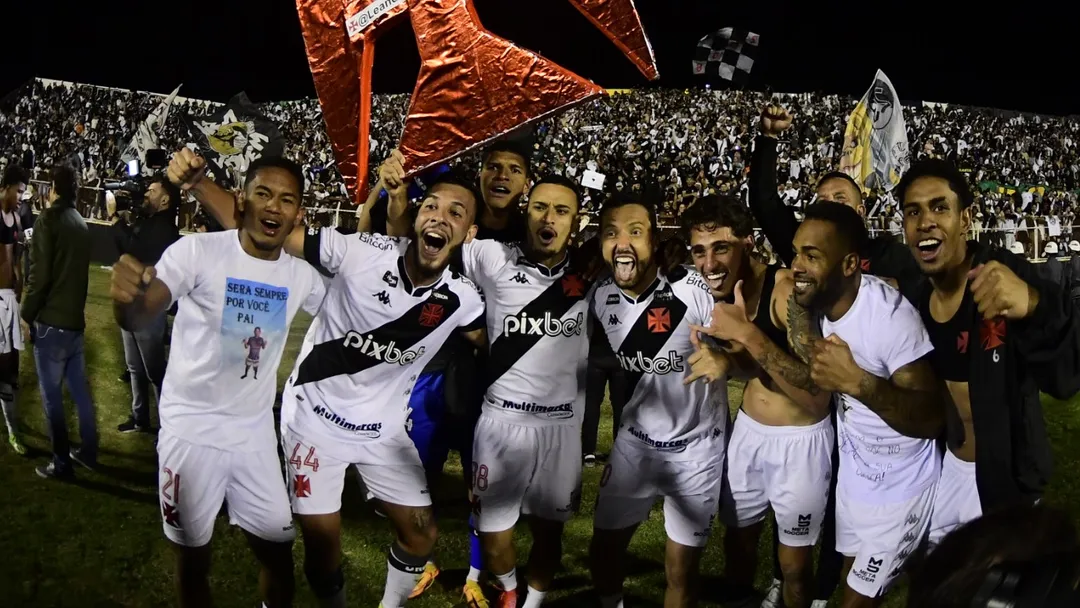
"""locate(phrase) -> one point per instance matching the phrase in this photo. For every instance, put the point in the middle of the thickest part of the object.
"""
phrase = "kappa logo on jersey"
(524, 325)
(520, 278)
(803, 527)
(390, 279)
(302, 486)
(554, 412)
(909, 537)
(912, 519)
(573, 286)
(613, 320)
(431, 314)
(383, 297)
(371, 430)
(674, 447)
(659, 320)
(638, 362)
(387, 353)
(612, 299)
(171, 515)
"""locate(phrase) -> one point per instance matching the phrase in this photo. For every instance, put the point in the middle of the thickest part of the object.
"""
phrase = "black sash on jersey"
(651, 331)
(556, 300)
(334, 358)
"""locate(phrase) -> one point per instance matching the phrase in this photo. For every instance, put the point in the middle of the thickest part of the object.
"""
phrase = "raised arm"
(138, 295)
(187, 170)
(392, 176)
(776, 219)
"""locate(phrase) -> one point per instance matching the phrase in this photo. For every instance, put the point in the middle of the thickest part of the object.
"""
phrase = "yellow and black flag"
(875, 140)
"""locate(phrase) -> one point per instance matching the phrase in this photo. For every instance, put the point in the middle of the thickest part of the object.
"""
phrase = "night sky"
(1016, 58)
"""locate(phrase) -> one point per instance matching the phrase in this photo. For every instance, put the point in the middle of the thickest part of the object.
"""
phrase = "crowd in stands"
(676, 144)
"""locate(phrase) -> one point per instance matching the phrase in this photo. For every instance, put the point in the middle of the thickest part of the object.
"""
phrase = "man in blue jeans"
(53, 315)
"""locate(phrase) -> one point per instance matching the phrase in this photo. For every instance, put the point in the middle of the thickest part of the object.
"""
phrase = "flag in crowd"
(146, 136)
(234, 136)
(875, 141)
(728, 53)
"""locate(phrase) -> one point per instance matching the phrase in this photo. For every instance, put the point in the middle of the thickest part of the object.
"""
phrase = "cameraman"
(144, 232)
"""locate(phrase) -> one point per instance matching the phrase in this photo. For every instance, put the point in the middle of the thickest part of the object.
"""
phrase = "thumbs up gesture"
(705, 363)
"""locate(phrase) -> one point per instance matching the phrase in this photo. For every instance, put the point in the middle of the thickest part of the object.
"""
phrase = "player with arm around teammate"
(874, 356)
(217, 438)
(779, 452)
(346, 401)
(671, 438)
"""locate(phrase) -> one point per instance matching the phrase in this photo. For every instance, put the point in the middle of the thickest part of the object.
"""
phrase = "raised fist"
(392, 175)
(774, 120)
(130, 278)
(186, 169)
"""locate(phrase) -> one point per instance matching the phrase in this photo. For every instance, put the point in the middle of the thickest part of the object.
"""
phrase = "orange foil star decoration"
(473, 86)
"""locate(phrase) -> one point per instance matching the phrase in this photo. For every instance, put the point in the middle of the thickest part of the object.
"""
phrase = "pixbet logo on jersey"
(542, 326)
(638, 362)
(387, 353)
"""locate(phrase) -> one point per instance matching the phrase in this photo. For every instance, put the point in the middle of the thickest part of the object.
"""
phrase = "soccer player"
(671, 438)
(391, 305)
(1001, 333)
(11, 334)
(527, 449)
(890, 412)
(884, 256)
(779, 453)
(254, 345)
(217, 438)
(445, 402)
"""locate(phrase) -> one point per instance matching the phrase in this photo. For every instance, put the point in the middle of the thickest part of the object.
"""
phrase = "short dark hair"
(718, 210)
(560, 180)
(15, 174)
(65, 180)
(935, 167)
(623, 198)
(175, 195)
(844, 176)
(277, 162)
(455, 177)
(846, 220)
(512, 147)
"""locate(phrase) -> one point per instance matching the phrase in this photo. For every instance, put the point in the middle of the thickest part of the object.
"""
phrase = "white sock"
(611, 601)
(474, 575)
(401, 577)
(534, 598)
(8, 405)
(508, 580)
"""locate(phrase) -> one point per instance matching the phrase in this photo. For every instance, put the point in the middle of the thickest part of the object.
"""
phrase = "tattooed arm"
(910, 402)
(791, 375)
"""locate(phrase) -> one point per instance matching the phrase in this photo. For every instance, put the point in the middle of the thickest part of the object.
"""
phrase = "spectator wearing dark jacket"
(1054, 270)
(145, 234)
(54, 306)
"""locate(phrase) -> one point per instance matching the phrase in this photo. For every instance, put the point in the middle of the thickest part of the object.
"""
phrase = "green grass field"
(97, 542)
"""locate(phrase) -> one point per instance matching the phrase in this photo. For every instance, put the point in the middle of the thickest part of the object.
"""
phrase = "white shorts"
(535, 470)
(880, 538)
(316, 479)
(635, 477)
(957, 500)
(11, 337)
(194, 480)
(788, 467)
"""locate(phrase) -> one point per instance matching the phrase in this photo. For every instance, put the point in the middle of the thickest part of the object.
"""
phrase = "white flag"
(875, 141)
(146, 135)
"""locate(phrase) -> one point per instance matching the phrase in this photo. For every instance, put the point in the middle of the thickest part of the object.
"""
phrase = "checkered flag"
(728, 53)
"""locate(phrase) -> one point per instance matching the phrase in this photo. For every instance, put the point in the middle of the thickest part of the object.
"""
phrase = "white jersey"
(650, 336)
(877, 464)
(372, 337)
(234, 314)
(536, 322)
